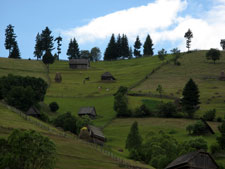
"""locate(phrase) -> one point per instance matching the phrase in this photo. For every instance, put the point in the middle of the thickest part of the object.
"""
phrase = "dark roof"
(96, 131)
(108, 74)
(79, 61)
(33, 111)
(87, 111)
(208, 126)
(184, 159)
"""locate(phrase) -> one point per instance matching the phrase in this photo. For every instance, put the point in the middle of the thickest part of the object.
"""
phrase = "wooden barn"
(79, 63)
(194, 160)
(90, 111)
(33, 111)
(96, 135)
(107, 76)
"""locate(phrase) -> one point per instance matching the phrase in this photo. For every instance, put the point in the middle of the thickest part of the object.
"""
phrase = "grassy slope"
(204, 73)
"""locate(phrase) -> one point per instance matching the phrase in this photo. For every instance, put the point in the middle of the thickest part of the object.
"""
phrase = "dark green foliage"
(53, 106)
(44, 117)
(15, 53)
(210, 115)
(67, 122)
(221, 138)
(199, 128)
(213, 54)
(159, 89)
(214, 148)
(111, 52)
(95, 54)
(122, 90)
(219, 119)
(130, 53)
(142, 111)
(167, 110)
(73, 50)
(83, 121)
(120, 105)
(137, 46)
(10, 37)
(85, 54)
(190, 99)
(134, 139)
(38, 47)
(176, 54)
(148, 50)
(26, 150)
(222, 44)
(188, 35)
(59, 44)
(47, 40)
(48, 59)
(125, 51)
(162, 54)
(191, 145)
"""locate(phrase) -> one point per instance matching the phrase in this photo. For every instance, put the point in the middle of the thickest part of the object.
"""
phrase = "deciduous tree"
(162, 54)
(48, 59)
(95, 54)
(213, 54)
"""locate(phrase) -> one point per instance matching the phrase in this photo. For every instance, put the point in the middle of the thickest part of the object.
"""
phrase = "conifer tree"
(137, 46)
(38, 47)
(15, 53)
(188, 35)
(190, 98)
(111, 50)
(73, 50)
(47, 40)
(119, 46)
(125, 47)
(130, 53)
(10, 38)
(148, 50)
(59, 44)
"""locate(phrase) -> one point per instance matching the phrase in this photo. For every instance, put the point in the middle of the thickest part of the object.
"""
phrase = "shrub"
(198, 128)
(44, 117)
(214, 148)
(83, 121)
(142, 111)
(53, 106)
(167, 110)
(219, 119)
(192, 145)
(210, 115)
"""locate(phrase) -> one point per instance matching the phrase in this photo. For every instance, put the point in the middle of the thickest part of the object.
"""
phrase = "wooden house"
(79, 63)
(194, 160)
(107, 76)
(90, 111)
(33, 111)
(96, 135)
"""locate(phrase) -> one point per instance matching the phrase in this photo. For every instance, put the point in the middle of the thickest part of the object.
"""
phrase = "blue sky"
(92, 22)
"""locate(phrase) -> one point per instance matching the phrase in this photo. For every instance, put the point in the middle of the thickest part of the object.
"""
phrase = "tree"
(10, 38)
(190, 99)
(222, 44)
(213, 54)
(188, 35)
(38, 47)
(48, 59)
(137, 46)
(124, 47)
(83, 121)
(161, 54)
(26, 150)
(199, 128)
(95, 54)
(120, 105)
(119, 47)
(176, 54)
(53, 106)
(134, 139)
(159, 89)
(148, 50)
(221, 138)
(59, 44)
(130, 53)
(111, 50)
(47, 40)
(15, 53)
(84, 54)
(73, 50)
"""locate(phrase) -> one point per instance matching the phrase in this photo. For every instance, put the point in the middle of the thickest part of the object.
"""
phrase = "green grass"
(194, 65)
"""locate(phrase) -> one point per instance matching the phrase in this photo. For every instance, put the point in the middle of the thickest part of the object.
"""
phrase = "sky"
(92, 22)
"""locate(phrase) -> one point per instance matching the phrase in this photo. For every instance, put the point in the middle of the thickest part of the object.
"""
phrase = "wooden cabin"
(194, 160)
(207, 127)
(58, 77)
(96, 135)
(90, 111)
(33, 111)
(107, 76)
(79, 63)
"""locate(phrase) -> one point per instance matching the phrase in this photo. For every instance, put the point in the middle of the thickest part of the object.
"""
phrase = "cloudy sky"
(92, 22)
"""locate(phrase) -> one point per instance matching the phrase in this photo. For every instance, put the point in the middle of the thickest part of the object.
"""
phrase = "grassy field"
(194, 65)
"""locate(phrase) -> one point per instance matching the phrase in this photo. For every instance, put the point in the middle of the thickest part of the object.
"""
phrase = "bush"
(83, 121)
(214, 148)
(210, 115)
(192, 145)
(142, 111)
(44, 117)
(198, 128)
(219, 119)
(53, 106)
(167, 110)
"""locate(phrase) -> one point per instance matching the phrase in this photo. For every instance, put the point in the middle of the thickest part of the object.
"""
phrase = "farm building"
(193, 160)
(96, 135)
(107, 76)
(79, 63)
(90, 111)
(33, 111)
(207, 126)
(58, 77)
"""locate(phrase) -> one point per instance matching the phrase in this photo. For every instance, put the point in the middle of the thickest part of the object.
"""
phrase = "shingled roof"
(33, 111)
(208, 126)
(87, 111)
(79, 61)
(107, 76)
(96, 132)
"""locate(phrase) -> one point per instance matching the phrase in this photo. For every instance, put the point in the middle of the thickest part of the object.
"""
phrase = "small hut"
(58, 77)
(79, 63)
(96, 135)
(207, 127)
(194, 160)
(33, 111)
(222, 76)
(107, 76)
(90, 111)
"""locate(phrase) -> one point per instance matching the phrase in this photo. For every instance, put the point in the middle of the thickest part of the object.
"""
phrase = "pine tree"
(148, 50)
(59, 44)
(111, 50)
(47, 40)
(190, 99)
(137, 46)
(134, 139)
(124, 46)
(119, 46)
(38, 47)
(73, 50)
(188, 35)
(15, 53)
(10, 37)
(130, 53)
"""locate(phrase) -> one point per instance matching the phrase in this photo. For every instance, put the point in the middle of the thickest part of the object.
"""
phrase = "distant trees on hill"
(73, 50)
(188, 35)
(137, 46)
(213, 54)
(59, 44)
(148, 47)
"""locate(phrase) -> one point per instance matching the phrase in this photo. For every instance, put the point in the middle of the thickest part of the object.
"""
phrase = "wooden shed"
(58, 77)
(90, 111)
(79, 63)
(108, 76)
(194, 160)
(33, 111)
(207, 126)
(96, 135)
